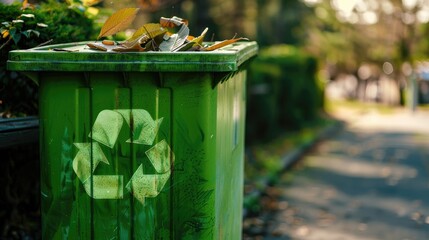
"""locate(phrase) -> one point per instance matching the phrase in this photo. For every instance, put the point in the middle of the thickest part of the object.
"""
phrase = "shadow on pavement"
(360, 184)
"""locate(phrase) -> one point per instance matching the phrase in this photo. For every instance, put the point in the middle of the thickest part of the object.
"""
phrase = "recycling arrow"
(99, 187)
(105, 130)
(145, 185)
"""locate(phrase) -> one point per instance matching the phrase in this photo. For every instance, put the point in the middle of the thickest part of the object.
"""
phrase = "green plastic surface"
(141, 155)
(81, 58)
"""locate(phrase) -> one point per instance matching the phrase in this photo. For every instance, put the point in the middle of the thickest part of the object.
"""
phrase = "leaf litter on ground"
(169, 35)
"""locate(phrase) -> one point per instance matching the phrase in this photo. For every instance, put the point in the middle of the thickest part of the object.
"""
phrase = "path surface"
(369, 181)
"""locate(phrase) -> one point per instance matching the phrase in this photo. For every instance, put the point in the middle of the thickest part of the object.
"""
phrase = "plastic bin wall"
(140, 152)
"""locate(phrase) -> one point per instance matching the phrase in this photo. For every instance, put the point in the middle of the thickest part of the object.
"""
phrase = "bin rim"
(76, 57)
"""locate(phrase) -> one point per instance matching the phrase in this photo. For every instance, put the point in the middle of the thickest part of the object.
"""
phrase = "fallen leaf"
(175, 41)
(169, 35)
(195, 41)
(223, 44)
(131, 49)
(108, 42)
(144, 34)
(172, 22)
(96, 46)
(118, 21)
(153, 44)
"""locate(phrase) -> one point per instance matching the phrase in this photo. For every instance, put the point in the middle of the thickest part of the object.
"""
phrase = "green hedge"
(283, 92)
(18, 94)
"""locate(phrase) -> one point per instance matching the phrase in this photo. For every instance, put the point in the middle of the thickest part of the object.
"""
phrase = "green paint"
(140, 145)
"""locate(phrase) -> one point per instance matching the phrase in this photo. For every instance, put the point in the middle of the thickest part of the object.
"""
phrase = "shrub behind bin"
(283, 93)
(18, 93)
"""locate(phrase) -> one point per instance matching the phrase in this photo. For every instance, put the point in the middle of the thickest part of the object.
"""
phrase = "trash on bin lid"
(169, 35)
(224, 56)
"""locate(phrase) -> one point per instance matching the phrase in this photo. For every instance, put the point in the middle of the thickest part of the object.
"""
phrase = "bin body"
(140, 145)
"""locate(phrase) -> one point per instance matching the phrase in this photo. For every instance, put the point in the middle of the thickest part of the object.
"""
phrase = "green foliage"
(51, 22)
(13, 26)
(283, 92)
(67, 24)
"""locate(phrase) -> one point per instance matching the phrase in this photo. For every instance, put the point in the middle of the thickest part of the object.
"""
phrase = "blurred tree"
(280, 21)
(348, 34)
(351, 32)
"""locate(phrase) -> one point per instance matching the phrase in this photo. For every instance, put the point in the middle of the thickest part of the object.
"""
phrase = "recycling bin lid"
(77, 57)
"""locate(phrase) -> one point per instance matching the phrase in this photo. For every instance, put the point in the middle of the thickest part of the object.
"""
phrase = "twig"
(4, 44)
(47, 42)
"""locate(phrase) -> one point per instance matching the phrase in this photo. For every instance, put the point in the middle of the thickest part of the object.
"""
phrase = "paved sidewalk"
(370, 181)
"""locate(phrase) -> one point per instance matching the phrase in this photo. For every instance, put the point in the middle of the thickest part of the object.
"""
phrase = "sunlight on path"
(371, 181)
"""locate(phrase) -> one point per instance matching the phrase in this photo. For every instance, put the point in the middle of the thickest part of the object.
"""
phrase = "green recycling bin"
(140, 145)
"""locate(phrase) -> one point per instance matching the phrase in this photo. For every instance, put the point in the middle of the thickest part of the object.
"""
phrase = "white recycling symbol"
(105, 130)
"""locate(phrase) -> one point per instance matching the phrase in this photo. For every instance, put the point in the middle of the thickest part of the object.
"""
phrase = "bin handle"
(34, 76)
